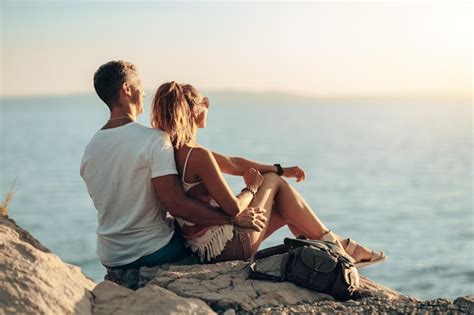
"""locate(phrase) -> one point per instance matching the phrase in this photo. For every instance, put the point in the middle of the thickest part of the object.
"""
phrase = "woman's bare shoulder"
(200, 163)
(202, 155)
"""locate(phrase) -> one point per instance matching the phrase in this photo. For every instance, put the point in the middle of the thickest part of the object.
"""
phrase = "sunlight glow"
(321, 49)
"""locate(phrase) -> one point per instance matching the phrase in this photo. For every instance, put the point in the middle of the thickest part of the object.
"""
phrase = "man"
(131, 176)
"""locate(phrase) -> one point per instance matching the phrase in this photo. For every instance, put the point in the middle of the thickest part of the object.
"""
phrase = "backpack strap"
(327, 246)
(271, 251)
(298, 242)
(267, 252)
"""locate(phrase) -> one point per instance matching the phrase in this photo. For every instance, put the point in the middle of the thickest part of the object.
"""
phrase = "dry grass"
(5, 203)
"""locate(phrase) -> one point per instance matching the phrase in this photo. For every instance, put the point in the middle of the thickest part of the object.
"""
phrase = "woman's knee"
(271, 177)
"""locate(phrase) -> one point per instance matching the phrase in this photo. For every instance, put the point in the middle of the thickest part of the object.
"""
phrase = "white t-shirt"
(117, 166)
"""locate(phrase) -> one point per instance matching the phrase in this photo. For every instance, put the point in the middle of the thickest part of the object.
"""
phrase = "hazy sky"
(322, 48)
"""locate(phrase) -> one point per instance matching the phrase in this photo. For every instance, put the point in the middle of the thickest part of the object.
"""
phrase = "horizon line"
(273, 93)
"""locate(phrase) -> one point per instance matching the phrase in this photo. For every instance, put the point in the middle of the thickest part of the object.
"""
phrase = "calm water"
(396, 176)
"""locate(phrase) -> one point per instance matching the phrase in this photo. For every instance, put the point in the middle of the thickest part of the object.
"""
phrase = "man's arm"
(170, 194)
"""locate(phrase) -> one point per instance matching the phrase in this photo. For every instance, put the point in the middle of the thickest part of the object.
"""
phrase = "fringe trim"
(212, 243)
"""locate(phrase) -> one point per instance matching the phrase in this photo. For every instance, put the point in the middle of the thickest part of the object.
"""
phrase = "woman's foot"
(361, 255)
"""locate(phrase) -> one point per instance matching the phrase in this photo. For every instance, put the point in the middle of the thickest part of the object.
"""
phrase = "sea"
(394, 174)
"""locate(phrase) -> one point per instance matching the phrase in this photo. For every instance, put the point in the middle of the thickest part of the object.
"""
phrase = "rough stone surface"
(226, 285)
(466, 302)
(372, 305)
(110, 298)
(226, 288)
(35, 281)
(127, 278)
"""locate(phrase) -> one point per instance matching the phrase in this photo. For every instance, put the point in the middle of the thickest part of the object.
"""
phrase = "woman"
(180, 110)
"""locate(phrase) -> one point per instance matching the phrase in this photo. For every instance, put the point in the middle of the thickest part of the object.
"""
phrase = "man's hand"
(252, 218)
(199, 192)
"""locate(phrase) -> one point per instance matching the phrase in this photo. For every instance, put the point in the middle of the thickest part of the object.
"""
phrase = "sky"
(347, 48)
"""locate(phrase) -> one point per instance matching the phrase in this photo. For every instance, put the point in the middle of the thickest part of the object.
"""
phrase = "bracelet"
(279, 169)
(250, 190)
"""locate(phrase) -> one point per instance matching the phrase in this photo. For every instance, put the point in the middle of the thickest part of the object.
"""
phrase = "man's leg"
(172, 252)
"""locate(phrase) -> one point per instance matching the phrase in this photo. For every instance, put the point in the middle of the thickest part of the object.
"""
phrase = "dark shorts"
(170, 253)
(238, 248)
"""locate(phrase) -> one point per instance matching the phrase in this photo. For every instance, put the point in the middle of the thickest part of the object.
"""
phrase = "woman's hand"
(252, 218)
(295, 172)
(253, 178)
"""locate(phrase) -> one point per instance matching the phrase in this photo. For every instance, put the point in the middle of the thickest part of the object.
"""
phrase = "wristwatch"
(279, 169)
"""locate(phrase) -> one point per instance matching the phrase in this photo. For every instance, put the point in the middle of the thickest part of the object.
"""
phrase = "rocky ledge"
(34, 280)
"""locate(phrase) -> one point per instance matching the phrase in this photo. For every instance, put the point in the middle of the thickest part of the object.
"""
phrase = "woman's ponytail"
(172, 114)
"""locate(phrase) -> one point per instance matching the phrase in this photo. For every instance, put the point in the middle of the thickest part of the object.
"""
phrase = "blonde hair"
(172, 109)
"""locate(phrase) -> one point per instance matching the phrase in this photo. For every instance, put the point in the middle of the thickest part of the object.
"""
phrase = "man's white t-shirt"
(117, 166)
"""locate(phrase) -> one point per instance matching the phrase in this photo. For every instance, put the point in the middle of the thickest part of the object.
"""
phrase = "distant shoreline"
(271, 96)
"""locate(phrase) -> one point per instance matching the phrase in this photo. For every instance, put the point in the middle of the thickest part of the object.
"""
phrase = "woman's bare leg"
(284, 205)
(290, 209)
(264, 199)
(295, 211)
(277, 222)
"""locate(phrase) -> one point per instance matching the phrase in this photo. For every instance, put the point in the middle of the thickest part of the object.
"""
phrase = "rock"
(226, 285)
(465, 302)
(128, 278)
(110, 298)
(230, 311)
(33, 280)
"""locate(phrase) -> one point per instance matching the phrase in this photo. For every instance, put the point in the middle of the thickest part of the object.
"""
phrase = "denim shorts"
(170, 253)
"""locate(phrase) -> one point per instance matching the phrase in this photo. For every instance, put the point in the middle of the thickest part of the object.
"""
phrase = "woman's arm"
(208, 171)
(237, 166)
(169, 192)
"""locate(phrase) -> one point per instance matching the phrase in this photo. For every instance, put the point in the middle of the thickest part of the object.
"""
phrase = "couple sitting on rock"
(136, 175)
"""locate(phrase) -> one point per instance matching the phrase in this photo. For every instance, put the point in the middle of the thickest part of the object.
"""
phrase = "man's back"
(117, 166)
